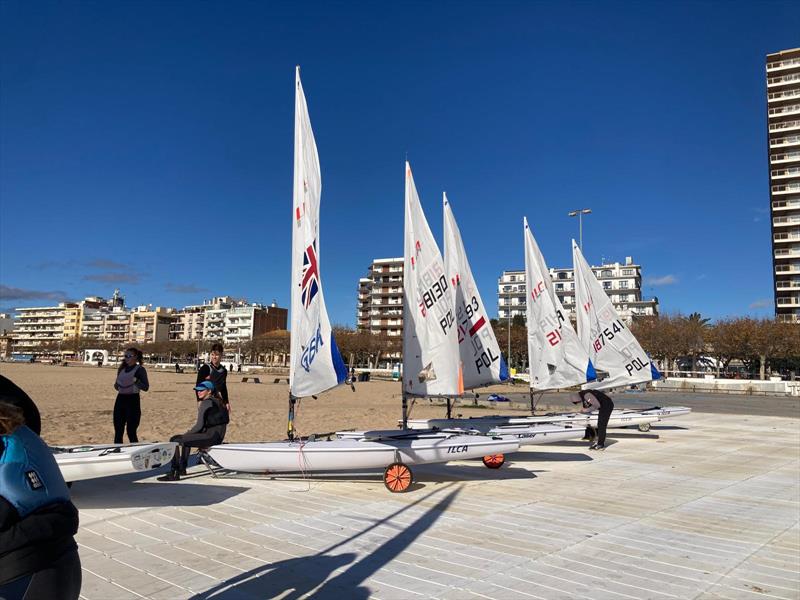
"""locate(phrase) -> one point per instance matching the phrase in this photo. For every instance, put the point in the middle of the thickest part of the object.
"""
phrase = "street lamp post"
(579, 213)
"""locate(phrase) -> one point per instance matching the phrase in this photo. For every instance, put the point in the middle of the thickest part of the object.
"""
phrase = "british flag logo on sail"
(310, 284)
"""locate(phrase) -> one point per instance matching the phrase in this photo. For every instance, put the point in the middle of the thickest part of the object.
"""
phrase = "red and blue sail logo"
(310, 284)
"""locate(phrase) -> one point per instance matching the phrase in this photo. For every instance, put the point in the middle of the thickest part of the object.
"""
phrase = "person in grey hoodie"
(209, 430)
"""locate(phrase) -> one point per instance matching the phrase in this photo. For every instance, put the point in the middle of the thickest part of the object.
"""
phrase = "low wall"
(728, 386)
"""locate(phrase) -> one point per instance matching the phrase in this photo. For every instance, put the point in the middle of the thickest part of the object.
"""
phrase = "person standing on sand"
(216, 373)
(131, 379)
(38, 554)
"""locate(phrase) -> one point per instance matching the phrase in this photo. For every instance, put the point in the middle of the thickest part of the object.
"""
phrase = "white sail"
(316, 364)
(430, 344)
(482, 362)
(616, 354)
(557, 358)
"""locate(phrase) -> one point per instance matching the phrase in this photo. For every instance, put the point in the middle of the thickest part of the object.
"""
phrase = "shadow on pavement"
(313, 576)
(537, 455)
(99, 494)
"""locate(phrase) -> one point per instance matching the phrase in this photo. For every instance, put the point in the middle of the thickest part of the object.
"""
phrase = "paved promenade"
(704, 506)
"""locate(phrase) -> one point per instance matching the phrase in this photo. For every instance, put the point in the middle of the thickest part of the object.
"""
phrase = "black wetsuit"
(128, 407)
(203, 434)
(604, 414)
(216, 375)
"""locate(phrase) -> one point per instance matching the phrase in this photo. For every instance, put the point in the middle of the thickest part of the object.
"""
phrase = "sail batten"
(430, 344)
(556, 356)
(316, 364)
(616, 353)
(482, 362)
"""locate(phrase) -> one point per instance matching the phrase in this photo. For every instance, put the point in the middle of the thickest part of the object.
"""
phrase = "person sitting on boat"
(209, 430)
(600, 401)
(38, 554)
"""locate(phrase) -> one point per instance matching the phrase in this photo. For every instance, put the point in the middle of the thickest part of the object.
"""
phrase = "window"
(562, 275)
(607, 273)
(559, 286)
(606, 285)
(512, 278)
(628, 272)
(623, 284)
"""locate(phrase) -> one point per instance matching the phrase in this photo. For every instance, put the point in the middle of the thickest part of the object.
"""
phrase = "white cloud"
(763, 303)
(665, 280)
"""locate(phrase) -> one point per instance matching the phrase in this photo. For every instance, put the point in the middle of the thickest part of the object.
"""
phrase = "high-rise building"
(783, 118)
(622, 282)
(380, 298)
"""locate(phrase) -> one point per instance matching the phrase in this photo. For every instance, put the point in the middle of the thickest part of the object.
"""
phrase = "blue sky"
(148, 145)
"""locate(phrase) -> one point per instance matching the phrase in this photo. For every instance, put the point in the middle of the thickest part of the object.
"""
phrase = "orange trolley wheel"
(397, 478)
(494, 461)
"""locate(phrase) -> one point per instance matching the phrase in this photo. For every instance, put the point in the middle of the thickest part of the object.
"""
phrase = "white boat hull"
(619, 418)
(526, 435)
(355, 454)
(78, 463)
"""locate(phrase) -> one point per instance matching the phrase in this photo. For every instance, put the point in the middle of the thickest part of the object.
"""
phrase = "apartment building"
(222, 319)
(621, 281)
(150, 324)
(227, 320)
(243, 323)
(380, 298)
(38, 326)
(189, 323)
(783, 119)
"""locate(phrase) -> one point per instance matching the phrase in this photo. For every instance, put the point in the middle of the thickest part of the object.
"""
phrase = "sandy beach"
(76, 403)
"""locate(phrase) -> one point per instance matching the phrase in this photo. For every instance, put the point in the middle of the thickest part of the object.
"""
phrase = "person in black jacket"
(601, 402)
(209, 430)
(38, 553)
(215, 372)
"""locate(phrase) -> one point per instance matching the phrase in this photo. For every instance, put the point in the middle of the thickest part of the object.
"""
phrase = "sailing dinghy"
(317, 366)
(481, 361)
(78, 463)
(558, 358)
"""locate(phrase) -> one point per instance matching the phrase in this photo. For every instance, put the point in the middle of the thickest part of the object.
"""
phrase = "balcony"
(784, 157)
(781, 111)
(783, 79)
(788, 318)
(785, 205)
(787, 269)
(791, 236)
(790, 140)
(787, 285)
(780, 65)
(789, 173)
(789, 188)
(784, 95)
(788, 301)
(787, 252)
(792, 221)
(784, 126)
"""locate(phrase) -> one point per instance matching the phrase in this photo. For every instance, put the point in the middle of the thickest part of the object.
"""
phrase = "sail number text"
(609, 333)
